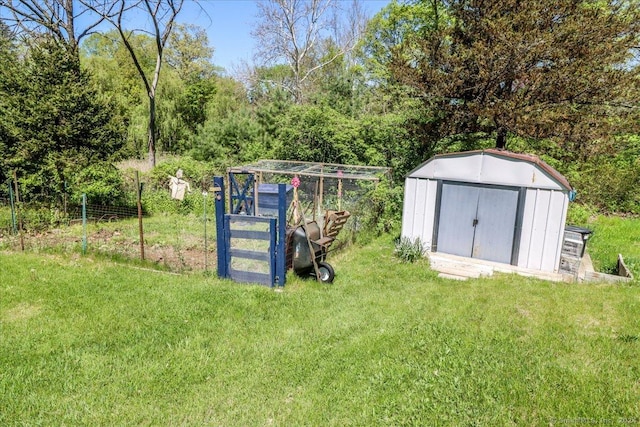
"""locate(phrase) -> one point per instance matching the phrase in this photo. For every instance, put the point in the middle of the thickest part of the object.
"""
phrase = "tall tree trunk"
(501, 138)
(152, 130)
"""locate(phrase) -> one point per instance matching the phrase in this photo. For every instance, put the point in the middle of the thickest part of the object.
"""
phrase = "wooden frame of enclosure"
(312, 169)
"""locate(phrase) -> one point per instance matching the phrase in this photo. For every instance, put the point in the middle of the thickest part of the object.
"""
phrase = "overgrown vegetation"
(427, 77)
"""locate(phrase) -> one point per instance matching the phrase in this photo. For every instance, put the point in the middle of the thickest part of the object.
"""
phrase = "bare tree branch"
(56, 17)
(291, 32)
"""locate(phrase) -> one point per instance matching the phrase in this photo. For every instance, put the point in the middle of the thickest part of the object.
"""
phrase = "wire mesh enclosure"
(323, 186)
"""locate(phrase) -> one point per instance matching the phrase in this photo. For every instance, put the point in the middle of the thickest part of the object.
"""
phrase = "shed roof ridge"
(531, 158)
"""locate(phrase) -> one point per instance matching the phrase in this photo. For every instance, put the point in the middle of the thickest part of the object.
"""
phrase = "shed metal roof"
(529, 158)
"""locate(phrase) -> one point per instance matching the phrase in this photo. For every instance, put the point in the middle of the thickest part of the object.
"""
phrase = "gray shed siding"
(543, 223)
(418, 213)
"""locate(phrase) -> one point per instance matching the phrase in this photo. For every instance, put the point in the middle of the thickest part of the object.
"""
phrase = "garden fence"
(176, 235)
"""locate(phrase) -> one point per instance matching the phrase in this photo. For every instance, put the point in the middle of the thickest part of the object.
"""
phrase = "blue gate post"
(281, 259)
(275, 250)
(218, 188)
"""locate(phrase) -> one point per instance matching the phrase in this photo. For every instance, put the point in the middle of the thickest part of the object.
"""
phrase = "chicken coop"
(321, 186)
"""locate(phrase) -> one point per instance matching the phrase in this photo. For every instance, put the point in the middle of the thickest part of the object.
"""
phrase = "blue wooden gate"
(251, 249)
(250, 246)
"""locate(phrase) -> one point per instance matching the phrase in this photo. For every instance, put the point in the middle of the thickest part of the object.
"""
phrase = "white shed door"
(477, 222)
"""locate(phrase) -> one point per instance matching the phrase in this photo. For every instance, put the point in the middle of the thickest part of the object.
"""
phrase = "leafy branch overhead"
(546, 69)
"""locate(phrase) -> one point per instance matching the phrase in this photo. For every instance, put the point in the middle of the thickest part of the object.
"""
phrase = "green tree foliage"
(58, 124)
(9, 87)
(268, 84)
(318, 134)
(155, 19)
(189, 53)
(340, 84)
(108, 61)
(232, 132)
(187, 85)
(546, 69)
(606, 182)
(397, 24)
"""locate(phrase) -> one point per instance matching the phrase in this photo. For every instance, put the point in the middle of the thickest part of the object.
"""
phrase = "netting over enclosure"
(320, 170)
(323, 186)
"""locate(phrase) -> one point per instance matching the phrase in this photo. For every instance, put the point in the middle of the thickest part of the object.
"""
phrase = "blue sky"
(228, 24)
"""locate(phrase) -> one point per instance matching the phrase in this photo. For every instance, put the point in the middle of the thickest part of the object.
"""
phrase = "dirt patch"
(189, 257)
(21, 312)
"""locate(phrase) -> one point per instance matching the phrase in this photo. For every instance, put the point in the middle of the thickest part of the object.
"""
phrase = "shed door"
(477, 221)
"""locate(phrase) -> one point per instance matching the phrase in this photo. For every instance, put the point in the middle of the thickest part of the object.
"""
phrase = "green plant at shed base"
(409, 250)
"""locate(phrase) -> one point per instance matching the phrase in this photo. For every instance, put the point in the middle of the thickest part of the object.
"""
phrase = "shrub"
(199, 174)
(380, 211)
(409, 250)
(580, 214)
(101, 182)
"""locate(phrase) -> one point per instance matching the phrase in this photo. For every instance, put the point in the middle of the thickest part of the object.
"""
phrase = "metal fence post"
(14, 222)
(139, 203)
(84, 223)
(15, 183)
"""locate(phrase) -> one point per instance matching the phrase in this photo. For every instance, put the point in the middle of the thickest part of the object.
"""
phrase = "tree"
(115, 75)
(58, 18)
(161, 15)
(186, 87)
(9, 71)
(292, 31)
(231, 132)
(56, 121)
(189, 54)
(545, 69)
(395, 25)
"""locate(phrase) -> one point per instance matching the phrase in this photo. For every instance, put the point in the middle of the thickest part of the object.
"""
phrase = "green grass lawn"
(90, 342)
(613, 236)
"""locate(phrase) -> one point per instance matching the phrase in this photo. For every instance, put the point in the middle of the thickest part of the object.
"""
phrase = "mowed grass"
(612, 236)
(90, 342)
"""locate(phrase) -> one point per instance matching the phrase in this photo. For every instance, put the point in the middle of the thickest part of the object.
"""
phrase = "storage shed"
(490, 205)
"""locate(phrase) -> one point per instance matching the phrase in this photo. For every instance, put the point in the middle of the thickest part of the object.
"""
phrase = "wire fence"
(178, 235)
(173, 234)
